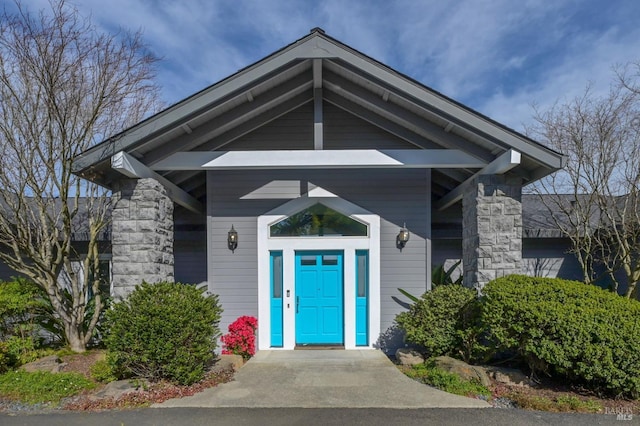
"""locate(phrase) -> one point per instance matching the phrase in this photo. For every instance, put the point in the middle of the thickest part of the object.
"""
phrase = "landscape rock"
(226, 361)
(118, 388)
(509, 376)
(51, 363)
(407, 356)
(462, 369)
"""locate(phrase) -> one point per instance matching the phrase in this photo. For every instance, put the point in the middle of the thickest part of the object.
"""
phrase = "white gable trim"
(322, 159)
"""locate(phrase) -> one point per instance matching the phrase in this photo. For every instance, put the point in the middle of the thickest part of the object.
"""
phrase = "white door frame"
(289, 245)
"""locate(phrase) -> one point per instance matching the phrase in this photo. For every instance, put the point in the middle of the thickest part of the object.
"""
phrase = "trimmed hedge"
(566, 328)
(163, 331)
(434, 322)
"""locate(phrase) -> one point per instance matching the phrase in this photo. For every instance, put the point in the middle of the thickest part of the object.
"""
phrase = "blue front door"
(319, 294)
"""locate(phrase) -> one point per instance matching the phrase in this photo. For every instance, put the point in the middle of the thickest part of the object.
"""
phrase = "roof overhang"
(453, 140)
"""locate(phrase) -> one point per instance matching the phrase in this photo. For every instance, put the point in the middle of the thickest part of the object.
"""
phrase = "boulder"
(407, 356)
(510, 376)
(235, 361)
(51, 363)
(120, 387)
(463, 370)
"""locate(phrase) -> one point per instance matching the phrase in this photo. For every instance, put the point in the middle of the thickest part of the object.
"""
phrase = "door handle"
(297, 303)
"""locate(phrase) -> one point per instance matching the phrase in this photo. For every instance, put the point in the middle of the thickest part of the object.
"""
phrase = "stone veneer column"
(491, 229)
(142, 235)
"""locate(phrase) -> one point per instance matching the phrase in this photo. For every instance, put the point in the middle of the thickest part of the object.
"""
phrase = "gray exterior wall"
(190, 247)
(294, 130)
(6, 273)
(397, 196)
(541, 257)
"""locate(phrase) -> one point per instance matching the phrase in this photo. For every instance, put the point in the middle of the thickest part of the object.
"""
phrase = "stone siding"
(142, 235)
(491, 229)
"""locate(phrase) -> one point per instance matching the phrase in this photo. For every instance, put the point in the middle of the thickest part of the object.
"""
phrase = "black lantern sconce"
(232, 239)
(403, 237)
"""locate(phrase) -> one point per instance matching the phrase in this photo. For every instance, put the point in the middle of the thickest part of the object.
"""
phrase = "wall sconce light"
(403, 237)
(232, 239)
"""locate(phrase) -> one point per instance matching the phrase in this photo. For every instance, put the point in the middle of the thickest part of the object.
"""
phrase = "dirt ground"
(81, 363)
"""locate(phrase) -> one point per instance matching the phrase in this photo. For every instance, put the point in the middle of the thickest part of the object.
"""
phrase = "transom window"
(318, 221)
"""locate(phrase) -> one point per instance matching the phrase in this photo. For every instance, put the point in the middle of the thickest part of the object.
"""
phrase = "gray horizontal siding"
(341, 130)
(293, 130)
(6, 273)
(190, 260)
(189, 247)
(541, 257)
(549, 257)
(397, 196)
(346, 131)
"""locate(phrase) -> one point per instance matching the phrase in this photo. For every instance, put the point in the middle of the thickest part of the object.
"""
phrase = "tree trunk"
(75, 339)
(631, 292)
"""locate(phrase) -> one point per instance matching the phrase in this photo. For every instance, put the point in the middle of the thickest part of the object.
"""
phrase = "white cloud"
(498, 56)
(590, 61)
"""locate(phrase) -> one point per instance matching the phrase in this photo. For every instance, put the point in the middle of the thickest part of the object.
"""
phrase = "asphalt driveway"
(322, 379)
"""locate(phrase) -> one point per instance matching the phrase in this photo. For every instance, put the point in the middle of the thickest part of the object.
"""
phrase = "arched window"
(318, 220)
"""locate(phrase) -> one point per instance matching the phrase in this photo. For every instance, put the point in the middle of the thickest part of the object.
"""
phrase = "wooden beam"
(318, 132)
(220, 140)
(499, 166)
(400, 115)
(132, 168)
(323, 159)
(249, 77)
(234, 117)
(438, 104)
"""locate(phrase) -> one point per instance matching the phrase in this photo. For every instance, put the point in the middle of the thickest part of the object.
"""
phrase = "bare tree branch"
(594, 201)
(64, 87)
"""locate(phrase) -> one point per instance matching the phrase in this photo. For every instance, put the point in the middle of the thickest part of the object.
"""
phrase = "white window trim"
(289, 245)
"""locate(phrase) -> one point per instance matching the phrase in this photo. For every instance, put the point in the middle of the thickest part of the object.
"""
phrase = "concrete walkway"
(321, 379)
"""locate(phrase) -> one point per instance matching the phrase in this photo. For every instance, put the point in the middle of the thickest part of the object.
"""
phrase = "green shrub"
(6, 361)
(568, 329)
(22, 306)
(163, 331)
(103, 371)
(431, 375)
(21, 350)
(41, 386)
(438, 321)
(440, 276)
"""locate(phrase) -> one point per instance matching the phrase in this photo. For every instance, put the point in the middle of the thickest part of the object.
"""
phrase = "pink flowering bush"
(241, 339)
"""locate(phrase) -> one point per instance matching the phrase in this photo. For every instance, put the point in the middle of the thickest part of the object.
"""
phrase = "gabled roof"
(316, 66)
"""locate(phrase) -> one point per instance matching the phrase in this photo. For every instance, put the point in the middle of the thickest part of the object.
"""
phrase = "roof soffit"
(348, 75)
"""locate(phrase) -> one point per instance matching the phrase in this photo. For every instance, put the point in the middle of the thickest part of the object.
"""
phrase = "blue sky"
(497, 56)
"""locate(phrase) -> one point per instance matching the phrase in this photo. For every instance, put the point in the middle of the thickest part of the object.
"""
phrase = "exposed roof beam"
(325, 159)
(318, 132)
(132, 168)
(194, 183)
(251, 77)
(499, 166)
(233, 118)
(217, 141)
(394, 112)
(317, 73)
(440, 105)
(179, 177)
(389, 127)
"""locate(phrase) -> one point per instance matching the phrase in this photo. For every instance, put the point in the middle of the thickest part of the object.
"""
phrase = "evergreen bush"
(437, 321)
(163, 331)
(566, 328)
